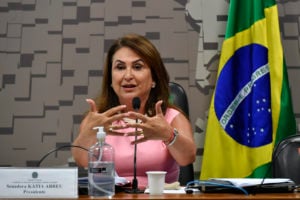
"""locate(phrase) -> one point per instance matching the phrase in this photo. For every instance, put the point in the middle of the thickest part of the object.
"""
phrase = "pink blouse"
(151, 155)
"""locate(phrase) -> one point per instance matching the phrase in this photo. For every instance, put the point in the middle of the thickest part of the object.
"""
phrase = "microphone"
(136, 103)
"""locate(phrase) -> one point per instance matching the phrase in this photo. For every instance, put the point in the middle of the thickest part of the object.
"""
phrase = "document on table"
(244, 182)
(171, 191)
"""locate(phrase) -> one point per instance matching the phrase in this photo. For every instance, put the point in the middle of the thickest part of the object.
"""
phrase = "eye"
(120, 66)
(138, 66)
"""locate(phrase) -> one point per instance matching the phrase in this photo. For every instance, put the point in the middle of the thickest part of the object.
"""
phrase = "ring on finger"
(141, 132)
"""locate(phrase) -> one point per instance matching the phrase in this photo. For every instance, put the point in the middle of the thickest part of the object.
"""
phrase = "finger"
(114, 133)
(143, 139)
(115, 110)
(93, 107)
(115, 130)
(158, 107)
(116, 127)
(139, 132)
(135, 125)
(135, 115)
(116, 117)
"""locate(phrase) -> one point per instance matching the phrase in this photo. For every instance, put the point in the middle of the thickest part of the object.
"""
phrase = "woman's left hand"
(157, 128)
(151, 128)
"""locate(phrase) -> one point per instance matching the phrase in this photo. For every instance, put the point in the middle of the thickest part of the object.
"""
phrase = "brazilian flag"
(251, 108)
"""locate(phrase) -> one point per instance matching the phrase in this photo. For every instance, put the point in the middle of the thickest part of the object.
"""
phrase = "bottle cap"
(100, 132)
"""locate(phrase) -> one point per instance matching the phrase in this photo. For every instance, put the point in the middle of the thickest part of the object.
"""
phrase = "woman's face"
(131, 76)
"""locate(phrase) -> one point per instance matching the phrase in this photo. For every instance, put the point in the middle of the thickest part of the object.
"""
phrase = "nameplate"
(38, 182)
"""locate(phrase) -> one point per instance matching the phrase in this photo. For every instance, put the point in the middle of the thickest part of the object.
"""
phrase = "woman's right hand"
(87, 136)
(105, 119)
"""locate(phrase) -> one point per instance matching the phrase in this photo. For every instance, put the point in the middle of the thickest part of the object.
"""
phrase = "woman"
(134, 68)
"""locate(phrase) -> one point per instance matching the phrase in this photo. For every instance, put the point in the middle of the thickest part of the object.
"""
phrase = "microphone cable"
(57, 149)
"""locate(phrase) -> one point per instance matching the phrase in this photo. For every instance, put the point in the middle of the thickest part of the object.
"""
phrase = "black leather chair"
(179, 98)
(286, 159)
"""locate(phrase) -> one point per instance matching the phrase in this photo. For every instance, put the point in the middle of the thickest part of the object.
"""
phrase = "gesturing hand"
(105, 119)
(152, 128)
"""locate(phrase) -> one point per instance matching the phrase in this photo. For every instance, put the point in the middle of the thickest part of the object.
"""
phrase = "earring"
(153, 85)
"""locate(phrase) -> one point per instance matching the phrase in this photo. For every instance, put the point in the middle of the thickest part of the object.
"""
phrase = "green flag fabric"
(251, 108)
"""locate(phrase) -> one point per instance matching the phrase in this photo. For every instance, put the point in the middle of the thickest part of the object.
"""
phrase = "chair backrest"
(286, 159)
(179, 98)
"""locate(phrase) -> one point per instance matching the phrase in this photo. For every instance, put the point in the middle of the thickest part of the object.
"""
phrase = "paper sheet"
(243, 182)
(178, 191)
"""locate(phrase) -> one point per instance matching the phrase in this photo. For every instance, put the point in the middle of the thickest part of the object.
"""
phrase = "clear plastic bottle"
(101, 167)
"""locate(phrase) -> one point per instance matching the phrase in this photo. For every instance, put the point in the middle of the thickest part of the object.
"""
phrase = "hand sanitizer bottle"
(101, 175)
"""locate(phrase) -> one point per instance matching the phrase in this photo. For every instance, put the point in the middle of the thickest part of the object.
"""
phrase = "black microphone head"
(136, 103)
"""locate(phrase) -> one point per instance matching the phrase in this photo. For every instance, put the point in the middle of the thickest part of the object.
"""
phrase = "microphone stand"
(135, 189)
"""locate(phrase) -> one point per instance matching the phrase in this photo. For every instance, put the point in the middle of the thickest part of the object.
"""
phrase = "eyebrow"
(138, 60)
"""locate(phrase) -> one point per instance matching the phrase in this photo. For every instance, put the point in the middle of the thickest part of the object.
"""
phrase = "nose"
(128, 74)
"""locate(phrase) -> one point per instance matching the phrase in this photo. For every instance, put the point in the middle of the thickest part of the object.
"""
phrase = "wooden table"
(206, 196)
